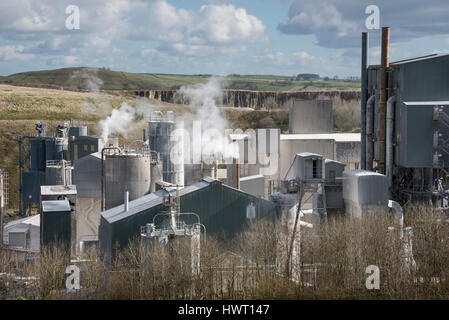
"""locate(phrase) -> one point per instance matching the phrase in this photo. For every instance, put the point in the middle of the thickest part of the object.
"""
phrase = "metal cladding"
(418, 139)
(364, 191)
(416, 130)
(32, 180)
(221, 209)
(77, 131)
(56, 222)
(126, 172)
(82, 146)
(311, 116)
(45, 148)
(87, 176)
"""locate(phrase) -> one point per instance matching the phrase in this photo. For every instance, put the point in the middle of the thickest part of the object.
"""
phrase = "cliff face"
(262, 100)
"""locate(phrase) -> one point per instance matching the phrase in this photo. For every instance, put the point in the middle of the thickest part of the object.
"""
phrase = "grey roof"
(361, 173)
(58, 190)
(337, 137)
(55, 206)
(334, 161)
(256, 176)
(308, 155)
(148, 201)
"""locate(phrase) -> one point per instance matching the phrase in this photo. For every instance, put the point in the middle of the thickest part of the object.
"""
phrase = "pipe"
(389, 140)
(370, 132)
(364, 93)
(126, 201)
(400, 214)
(385, 52)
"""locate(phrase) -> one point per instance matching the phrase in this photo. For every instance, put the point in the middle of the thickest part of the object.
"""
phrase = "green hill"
(117, 80)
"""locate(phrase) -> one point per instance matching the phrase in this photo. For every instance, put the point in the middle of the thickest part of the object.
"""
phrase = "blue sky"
(283, 37)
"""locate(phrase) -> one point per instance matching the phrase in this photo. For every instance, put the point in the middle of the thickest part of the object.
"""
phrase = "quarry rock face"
(262, 100)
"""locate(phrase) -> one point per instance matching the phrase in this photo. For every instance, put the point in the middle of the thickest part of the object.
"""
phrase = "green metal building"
(222, 210)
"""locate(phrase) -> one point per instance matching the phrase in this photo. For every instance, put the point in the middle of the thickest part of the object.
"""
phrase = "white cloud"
(338, 24)
(278, 58)
(215, 28)
(14, 53)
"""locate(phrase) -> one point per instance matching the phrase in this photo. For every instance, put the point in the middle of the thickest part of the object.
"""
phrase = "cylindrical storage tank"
(129, 172)
(61, 146)
(78, 131)
(159, 136)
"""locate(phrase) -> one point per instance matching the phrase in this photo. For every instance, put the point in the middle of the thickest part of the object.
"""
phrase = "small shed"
(307, 167)
(56, 222)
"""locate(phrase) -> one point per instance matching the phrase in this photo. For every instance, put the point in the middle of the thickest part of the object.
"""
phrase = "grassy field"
(117, 80)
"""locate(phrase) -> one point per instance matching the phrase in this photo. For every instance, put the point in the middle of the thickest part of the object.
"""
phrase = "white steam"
(203, 99)
(120, 121)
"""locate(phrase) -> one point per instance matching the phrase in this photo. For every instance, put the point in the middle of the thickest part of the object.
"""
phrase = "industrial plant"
(91, 192)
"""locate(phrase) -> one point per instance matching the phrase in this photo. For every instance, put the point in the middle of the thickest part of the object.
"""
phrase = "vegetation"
(117, 80)
(332, 265)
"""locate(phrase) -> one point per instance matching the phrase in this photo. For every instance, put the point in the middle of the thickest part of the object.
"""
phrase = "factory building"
(50, 158)
(405, 127)
(221, 209)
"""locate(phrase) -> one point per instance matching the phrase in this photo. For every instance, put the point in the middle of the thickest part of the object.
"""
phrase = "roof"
(256, 176)
(361, 173)
(55, 206)
(33, 220)
(58, 190)
(148, 201)
(334, 161)
(338, 137)
(426, 103)
(420, 58)
(308, 155)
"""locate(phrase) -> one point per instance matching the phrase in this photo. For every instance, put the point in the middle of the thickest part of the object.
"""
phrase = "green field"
(117, 80)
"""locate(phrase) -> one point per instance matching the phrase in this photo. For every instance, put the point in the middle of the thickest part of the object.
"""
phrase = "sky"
(279, 37)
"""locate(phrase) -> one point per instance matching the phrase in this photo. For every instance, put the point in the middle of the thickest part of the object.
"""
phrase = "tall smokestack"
(385, 63)
(364, 97)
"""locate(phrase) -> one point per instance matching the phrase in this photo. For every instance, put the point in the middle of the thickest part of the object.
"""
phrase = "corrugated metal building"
(221, 209)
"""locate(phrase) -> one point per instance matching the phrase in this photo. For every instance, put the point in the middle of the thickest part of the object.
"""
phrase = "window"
(85, 147)
(92, 148)
(314, 169)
